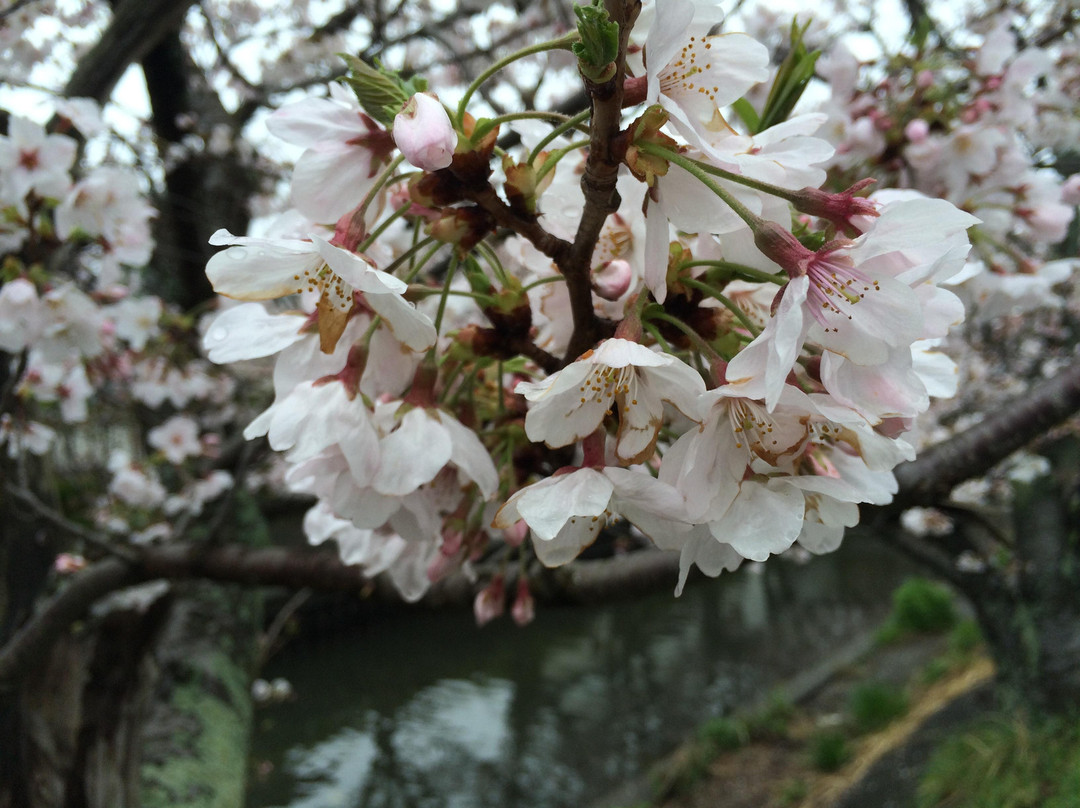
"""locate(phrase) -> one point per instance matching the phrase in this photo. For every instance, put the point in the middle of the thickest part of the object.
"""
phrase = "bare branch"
(598, 184)
(136, 29)
(930, 478)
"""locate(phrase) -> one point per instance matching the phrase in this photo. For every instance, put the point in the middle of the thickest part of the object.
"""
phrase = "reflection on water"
(429, 710)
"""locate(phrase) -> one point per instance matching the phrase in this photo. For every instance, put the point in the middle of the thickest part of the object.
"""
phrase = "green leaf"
(792, 78)
(380, 91)
(746, 112)
(599, 45)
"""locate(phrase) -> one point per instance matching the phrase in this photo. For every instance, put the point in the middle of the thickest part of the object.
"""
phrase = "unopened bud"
(490, 601)
(423, 132)
(612, 280)
(524, 609)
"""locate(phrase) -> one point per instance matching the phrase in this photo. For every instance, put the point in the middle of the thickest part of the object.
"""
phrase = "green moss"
(724, 734)
(965, 638)
(772, 720)
(793, 792)
(1006, 763)
(211, 749)
(919, 607)
(829, 750)
(874, 704)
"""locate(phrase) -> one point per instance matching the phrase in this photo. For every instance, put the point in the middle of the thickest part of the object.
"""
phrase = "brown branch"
(137, 27)
(33, 640)
(930, 478)
(597, 184)
(526, 226)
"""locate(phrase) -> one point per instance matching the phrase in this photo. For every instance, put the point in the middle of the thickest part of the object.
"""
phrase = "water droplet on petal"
(237, 253)
(219, 333)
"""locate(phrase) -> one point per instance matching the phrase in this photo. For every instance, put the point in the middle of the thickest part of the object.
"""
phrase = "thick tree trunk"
(144, 703)
(1029, 606)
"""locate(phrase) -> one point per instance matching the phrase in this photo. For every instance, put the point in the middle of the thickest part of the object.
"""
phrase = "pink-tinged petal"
(657, 509)
(941, 309)
(621, 353)
(772, 354)
(888, 315)
(888, 390)
(470, 456)
(248, 331)
(413, 454)
(640, 417)
(577, 534)
(678, 384)
(330, 180)
(936, 371)
(705, 466)
(315, 120)
(691, 206)
(562, 420)
(826, 518)
(390, 366)
(361, 448)
(409, 326)
(364, 507)
(564, 380)
(548, 505)
(911, 224)
(666, 36)
(711, 72)
(710, 555)
(325, 413)
(763, 520)
(657, 244)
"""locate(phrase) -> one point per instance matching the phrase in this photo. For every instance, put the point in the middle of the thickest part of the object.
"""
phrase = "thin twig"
(91, 537)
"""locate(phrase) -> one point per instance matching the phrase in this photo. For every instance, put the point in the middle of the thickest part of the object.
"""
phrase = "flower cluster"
(979, 127)
(82, 349)
(728, 364)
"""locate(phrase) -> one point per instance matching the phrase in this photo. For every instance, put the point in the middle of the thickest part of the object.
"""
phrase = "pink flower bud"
(516, 533)
(613, 279)
(1070, 190)
(524, 609)
(490, 601)
(917, 130)
(924, 79)
(67, 563)
(423, 132)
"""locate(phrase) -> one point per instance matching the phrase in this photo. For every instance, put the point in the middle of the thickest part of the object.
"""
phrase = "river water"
(429, 711)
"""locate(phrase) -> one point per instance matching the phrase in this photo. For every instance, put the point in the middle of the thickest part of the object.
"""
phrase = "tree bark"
(145, 701)
(1029, 609)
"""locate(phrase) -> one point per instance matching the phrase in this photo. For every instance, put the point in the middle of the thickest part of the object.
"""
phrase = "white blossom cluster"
(756, 388)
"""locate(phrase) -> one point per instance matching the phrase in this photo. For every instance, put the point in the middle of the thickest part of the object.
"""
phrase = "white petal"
(248, 331)
(548, 505)
(413, 454)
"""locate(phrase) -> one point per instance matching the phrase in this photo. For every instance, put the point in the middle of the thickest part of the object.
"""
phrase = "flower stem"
(487, 125)
(556, 156)
(690, 166)
(385, 223)
(742, 270)
(576, 122)
(657, 313)
(562, 43)
(727, 302)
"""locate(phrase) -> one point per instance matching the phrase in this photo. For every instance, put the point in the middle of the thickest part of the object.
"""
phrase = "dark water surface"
(429, 711)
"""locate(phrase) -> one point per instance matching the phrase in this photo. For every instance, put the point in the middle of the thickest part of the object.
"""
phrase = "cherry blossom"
(621, 376)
